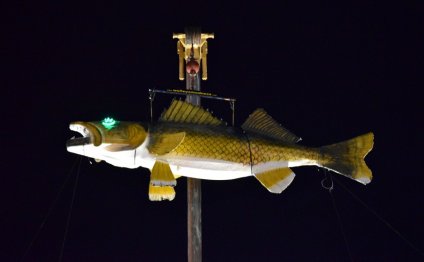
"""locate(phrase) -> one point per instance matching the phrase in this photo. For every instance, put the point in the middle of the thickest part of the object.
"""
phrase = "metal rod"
(233, 108)
(191, 93)
(151, 98)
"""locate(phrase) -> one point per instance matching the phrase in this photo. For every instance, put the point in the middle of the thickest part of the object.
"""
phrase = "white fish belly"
(222, 170)
(209, 169)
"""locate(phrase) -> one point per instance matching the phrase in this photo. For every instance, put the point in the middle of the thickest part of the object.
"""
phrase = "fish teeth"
(80, 129)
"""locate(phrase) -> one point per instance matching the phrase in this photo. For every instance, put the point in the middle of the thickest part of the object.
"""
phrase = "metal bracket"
(151, 98)
(233, 108)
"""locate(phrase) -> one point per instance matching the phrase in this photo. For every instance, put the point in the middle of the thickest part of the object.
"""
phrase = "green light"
(109, 122)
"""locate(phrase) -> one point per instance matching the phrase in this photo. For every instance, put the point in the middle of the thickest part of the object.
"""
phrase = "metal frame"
(180, 92)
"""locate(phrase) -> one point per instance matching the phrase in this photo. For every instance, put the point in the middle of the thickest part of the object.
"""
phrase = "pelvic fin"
(162, 175)
(159, 193)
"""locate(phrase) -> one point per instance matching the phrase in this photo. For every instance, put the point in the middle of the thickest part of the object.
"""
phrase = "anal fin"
(276, 180)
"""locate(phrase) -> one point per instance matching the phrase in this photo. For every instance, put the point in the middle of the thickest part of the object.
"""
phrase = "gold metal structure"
(188, 46)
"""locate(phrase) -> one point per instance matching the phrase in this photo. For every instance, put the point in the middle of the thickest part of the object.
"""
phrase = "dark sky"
(326, 71)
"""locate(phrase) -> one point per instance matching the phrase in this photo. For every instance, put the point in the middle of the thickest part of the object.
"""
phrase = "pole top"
(192, 49)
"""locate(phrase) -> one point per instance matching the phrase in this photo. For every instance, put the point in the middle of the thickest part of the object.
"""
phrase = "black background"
(327, 71)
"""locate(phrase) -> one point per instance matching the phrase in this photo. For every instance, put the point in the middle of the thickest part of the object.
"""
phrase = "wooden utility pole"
(192, 50)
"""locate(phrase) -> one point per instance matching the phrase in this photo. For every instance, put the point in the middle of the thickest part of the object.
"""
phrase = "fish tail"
(347, 157)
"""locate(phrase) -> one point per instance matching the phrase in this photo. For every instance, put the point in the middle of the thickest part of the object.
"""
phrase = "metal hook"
(327, 177)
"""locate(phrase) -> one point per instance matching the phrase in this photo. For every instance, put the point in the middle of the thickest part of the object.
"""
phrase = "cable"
(70, 211)
(384, 221)
(339, 218)
(50, 210)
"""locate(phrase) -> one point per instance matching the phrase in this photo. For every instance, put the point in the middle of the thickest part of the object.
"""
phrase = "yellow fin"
(159, 193)
(183, 112)
(347, 158)
(276, 180)
(162, 175)
(136, 135)
(260, 122)
(164, 143)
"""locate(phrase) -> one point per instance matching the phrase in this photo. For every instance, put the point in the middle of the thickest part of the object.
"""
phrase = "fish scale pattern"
(220, 147)
(262, 153)
(218, 143)
(266, 151)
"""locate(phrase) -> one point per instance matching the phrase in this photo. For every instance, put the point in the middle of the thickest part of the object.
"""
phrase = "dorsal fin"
(260, 122)
(183, 112)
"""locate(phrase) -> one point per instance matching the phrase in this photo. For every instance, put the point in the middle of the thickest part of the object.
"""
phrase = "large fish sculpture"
(189, 141)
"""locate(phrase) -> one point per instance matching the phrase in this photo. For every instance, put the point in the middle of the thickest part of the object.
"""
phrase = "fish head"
(109, 140)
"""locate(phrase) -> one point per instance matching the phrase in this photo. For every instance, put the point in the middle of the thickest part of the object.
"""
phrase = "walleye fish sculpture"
(188, 141)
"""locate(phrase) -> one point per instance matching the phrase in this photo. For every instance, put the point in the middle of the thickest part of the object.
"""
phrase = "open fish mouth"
(90, 134)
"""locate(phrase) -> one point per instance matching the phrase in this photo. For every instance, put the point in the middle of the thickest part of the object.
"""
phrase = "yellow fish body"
(188, 141)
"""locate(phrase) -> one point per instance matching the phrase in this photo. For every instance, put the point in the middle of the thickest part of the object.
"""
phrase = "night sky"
(327, 72)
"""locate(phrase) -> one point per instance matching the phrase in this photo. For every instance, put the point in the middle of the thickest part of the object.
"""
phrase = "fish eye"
(109, 123)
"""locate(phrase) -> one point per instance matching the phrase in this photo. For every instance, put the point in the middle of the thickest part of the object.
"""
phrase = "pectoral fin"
(164, 143)
(276, 180)
(162, 175)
